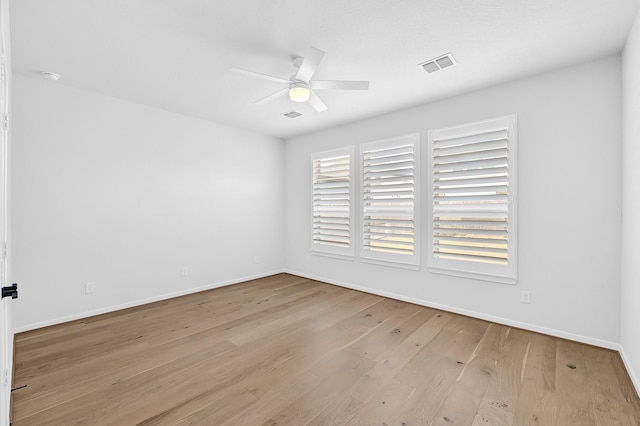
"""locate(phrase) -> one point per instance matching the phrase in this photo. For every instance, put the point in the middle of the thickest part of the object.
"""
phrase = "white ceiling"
(176, 54)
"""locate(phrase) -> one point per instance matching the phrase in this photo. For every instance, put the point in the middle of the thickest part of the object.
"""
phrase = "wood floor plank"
(538, 403)
(610, 407)
(340, 372)
(205, 408)
(429, 390)
(499, 402)
(385, 404)
(276, 399)
(572, 377)
(270, 324)
(625, 385)
(385, 370)
(471, 384)
(286, 350)
(337, 413)
(390, 332)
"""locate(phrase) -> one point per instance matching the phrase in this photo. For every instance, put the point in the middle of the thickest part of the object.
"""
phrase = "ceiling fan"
(300, 87)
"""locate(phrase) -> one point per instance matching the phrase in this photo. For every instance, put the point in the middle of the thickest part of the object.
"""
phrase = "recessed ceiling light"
(50, 75)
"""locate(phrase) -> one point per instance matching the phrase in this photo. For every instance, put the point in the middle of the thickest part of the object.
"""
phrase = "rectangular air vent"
(436, 64)
(292, 114)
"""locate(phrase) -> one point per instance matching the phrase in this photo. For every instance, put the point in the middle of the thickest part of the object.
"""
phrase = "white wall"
(569, 133)
(630, 287)
(124, 195)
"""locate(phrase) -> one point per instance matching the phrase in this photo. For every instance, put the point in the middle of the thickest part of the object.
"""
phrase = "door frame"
(6, 325)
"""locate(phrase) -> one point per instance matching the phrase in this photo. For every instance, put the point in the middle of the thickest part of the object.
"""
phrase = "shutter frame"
(472, 200)
(390, 201)
(332, 203)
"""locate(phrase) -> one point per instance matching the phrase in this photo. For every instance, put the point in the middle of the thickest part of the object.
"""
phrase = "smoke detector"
(50, 75)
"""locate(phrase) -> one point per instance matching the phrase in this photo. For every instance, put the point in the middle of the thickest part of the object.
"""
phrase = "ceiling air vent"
(292, 114)
(436, 64)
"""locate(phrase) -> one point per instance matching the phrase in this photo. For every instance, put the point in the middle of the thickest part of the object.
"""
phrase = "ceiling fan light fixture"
(299, 92)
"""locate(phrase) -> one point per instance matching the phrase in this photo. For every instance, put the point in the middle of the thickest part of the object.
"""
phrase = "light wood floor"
(287, 350)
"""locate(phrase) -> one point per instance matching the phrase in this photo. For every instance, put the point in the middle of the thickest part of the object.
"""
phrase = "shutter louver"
(332, 201)
(388, 199)
(471, 197)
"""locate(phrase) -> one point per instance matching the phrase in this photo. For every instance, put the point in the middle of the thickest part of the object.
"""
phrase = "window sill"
(333, 255)
(392, 264)
(500, 279)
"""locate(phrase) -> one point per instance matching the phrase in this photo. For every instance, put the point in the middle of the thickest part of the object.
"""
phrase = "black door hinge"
(11, 291)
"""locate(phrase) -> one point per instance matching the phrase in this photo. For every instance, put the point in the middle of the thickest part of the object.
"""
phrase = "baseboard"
(491, 318)
(139, 302)
(632, 373)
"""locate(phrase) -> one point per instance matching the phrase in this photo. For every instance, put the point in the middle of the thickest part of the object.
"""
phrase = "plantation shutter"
(332, 201)
(388, 199)
(472, 193)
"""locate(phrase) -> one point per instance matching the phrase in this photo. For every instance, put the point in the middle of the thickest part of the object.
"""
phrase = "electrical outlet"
(90, 288)
(525, 296)
(256, 259)
(185, 271)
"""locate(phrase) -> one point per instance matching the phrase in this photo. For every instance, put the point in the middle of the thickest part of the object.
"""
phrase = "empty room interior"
(301, 212)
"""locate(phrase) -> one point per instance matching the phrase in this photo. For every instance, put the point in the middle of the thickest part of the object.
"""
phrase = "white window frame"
(326, 249)
(506, 273)
(404, 260)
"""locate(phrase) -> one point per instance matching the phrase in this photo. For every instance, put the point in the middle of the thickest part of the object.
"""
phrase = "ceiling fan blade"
(316, 103)
(272, 96)
(259, 75)
(309, 64)
(339, 85)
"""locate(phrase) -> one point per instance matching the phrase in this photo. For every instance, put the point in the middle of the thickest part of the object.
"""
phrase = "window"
(389, 207)
(472, 218)
(332, 179)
